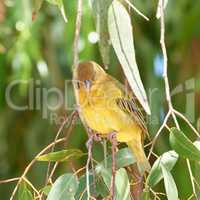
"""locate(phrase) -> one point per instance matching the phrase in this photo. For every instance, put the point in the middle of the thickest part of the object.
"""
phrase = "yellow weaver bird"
(105, 108)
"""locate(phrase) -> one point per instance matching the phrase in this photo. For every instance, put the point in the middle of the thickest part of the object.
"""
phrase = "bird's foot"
(95, 136)
(112, 137)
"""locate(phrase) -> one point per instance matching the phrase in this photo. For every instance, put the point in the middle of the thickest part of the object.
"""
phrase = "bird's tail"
(138, 152)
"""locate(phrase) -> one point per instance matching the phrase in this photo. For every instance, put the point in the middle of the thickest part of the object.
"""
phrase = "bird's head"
(86, 74)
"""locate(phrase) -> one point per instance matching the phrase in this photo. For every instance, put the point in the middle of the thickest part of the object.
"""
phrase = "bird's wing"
(131, 107)
(129, 104)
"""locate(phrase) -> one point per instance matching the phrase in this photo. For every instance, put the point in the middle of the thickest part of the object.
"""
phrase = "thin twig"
(165, 59)
(136, 10)
(71, 119)
(192, 195)
(9, 180)
(167, 127)
(165, 77)
(79, 170)
(84, 191)
(197, 184)
(52, 172)
(155, 194)
(52, 149)
(32, 186)
(77, 33)
(158, 133)
(31, 164)
(191, 178)
(187, 121)
(171, 111)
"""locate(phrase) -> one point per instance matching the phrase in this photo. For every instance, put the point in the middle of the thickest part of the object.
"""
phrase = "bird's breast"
(101, 113)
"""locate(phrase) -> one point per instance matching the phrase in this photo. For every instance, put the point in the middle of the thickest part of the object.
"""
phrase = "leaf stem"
(136, 10)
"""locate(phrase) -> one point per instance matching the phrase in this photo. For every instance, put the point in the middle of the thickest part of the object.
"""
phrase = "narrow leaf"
(24, 193)
(63, 12)
(64, 188)
(170, 185)
(101, 188)
(168, 160)
(120, 30)
(81, 191)
(124, 157)
(97, 189)
(62, 155)
(145, 195)
(106, 175)
(183, 146)
(100, 8)
(122, 185)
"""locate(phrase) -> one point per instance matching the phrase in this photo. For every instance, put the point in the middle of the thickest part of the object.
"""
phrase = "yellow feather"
(101, 112)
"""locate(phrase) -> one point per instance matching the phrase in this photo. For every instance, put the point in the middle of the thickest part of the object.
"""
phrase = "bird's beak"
(88, 84)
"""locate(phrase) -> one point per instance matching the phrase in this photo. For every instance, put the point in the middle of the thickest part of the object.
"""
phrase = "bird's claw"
(112, 137)
(95, 136)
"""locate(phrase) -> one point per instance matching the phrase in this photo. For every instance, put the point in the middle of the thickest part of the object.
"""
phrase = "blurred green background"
(42, 50)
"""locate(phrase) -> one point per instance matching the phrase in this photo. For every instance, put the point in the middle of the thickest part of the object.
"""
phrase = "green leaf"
(46, 189)
(124, 157)
(64, 188)
(106, 175)
(81, 191)
(122, 185)
(145, 195)
(62, 155)
(24, 193)
(183, 146)
(120, 30)
(170, 185)
(100, 8)
(101, 188)
(168, 159)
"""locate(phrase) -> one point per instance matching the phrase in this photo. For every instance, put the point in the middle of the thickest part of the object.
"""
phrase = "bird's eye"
(87, 84)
